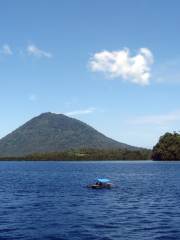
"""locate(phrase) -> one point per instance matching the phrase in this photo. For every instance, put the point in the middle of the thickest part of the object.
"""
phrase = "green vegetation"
(92, 154)
(51, 132)
(168, 147)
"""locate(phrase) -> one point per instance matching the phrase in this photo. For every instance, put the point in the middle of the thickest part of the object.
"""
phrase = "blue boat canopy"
(103, 180)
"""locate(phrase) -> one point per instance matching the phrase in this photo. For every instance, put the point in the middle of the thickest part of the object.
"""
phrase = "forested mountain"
(51, 132)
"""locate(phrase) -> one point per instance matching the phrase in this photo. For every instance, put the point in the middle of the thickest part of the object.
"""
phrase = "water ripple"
(49, 200)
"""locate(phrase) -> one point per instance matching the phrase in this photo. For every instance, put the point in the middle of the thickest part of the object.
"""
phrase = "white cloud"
(6, 50)
(37, 52)
(119, 64)
(157, 119)
(81, 112)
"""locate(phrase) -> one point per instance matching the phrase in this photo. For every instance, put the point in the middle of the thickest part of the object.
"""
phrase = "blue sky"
(113, 64)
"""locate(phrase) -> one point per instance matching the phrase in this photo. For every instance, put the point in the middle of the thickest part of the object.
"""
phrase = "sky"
(113, 64)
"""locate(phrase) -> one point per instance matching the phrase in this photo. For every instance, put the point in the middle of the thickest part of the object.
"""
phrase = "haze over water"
(49, 200)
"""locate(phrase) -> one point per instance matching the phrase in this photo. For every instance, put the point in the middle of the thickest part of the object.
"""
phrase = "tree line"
(88, 154)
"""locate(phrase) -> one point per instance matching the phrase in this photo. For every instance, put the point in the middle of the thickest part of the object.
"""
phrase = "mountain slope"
(51, 132)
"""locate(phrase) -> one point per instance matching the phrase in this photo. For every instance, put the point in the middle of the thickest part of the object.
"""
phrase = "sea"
(51, 201)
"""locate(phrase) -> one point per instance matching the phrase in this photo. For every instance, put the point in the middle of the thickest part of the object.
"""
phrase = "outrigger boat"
(101, 183)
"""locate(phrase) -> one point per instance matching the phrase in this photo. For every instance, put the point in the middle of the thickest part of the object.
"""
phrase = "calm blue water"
(49, 200)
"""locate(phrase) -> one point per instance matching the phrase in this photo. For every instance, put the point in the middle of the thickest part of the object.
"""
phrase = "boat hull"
(94, 186)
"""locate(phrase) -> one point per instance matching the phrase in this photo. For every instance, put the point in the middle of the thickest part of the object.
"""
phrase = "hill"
(168, 147)
(50, 132)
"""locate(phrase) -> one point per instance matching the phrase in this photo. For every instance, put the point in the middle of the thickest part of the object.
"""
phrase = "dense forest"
(50, 132)
(88, 154)
(168, 147)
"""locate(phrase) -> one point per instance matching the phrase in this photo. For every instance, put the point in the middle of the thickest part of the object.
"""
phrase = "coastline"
(71, 160)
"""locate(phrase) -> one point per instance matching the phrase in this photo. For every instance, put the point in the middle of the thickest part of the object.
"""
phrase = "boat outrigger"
(101, 183)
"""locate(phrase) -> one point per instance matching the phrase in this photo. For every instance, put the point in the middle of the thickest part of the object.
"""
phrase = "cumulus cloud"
(157, 119)
(6, 50)
(120, 64)
(81, 112)
(37, 52)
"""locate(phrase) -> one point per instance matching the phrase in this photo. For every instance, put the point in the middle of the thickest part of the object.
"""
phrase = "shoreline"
(85, 160)
(71, 160)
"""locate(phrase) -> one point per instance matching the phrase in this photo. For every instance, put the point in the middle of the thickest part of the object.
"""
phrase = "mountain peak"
(49, 114)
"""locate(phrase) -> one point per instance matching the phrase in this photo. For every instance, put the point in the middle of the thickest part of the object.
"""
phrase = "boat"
(101, 183)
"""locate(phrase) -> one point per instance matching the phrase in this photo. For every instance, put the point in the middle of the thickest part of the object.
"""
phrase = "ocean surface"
(50, 200)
